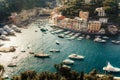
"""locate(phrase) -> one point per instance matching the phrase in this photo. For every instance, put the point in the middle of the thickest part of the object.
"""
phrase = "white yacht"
(42, 55)
(99, 40)
(67, 32)
(68, 61)
(80, 38)
(116, 41)
(66, 66)
(105, 37)
(110, 68)
(75, 56)
(12, 64)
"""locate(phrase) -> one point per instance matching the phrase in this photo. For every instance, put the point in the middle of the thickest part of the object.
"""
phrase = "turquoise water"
(96, 54)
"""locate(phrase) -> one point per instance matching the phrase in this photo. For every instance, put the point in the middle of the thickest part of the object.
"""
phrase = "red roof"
(61, 17)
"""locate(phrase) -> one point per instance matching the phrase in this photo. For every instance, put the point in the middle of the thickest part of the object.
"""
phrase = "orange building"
(94, 26)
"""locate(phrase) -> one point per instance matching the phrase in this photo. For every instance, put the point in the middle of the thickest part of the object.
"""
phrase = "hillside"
(9, 6)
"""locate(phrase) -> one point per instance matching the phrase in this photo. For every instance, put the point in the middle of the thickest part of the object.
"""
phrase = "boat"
(58, 31)
(61, 35)
(67, 32)
(105, 37)
(43, 29)
(57, 42)
(71, 34)
(75, 56)
(111, 68)
(3, 37)
(87, 37)
(80, 38)
(99, 40)
(66, 66)
(12, 64)
(68, 61)
(54, 50)
(42, 55)
(77, 34)
(116, 41)
(71, 38)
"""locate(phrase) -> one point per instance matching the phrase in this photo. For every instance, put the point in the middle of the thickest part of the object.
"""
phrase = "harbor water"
(96, 54)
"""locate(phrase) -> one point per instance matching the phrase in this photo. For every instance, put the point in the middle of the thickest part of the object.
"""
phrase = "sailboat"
(111, 68)
(42, 54)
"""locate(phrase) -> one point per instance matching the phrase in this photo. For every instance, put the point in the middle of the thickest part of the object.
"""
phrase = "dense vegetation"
(73, 7)
(62, 73)
(8, 6)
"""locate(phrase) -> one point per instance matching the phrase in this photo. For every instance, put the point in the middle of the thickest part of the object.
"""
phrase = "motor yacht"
(111, 68)
(76, 56)
(68, 61)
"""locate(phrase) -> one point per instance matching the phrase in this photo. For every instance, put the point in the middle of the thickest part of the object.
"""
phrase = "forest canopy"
(8, 6)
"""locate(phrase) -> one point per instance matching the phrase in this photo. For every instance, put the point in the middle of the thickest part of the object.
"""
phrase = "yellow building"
(94, 26)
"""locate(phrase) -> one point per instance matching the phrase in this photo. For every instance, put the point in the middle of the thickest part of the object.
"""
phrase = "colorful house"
(94, 26)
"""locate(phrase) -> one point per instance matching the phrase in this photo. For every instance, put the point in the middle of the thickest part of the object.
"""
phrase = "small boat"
(71, 34)
(12, 65)
(87, 37)
(23, 50)
(110, 68)
(61, 35)
(116, 41)
(54, 50)
(57, 42)
(105, 37)
(71, 38)
(3, 37)
(66, 66)
(67, 32)
(75, 56)
(68, 61)
(43, 29)
(99, 40)
(41, 55)
(80, 38)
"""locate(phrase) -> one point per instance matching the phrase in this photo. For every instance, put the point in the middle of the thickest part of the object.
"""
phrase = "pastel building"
(94, 26)
(101, 11)
(84, 15)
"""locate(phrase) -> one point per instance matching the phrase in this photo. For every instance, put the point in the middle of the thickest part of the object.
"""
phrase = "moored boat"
(68, 61)
(57, 42)
(111, 68)
(61, 35)
(99, 40)
(116, 41)
(105, 37)
(75, 56)
(42, 55)
(66, 66)
(12, 65)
